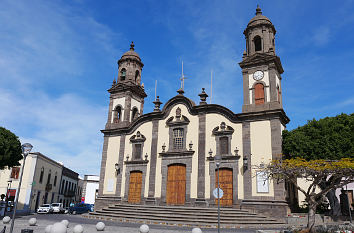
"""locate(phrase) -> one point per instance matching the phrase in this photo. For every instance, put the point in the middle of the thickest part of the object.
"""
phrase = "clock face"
(258, 75)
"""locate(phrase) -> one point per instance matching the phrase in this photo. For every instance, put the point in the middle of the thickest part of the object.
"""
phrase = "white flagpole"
(155, 88)
(211, 85)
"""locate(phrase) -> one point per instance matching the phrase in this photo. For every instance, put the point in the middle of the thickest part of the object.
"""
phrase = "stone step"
(179, 208)
(182, 215)
(191, 211)
(181, 220)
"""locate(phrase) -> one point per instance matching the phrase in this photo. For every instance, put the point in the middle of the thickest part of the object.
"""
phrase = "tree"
(330, 138)
(335, 173)
(10, 149)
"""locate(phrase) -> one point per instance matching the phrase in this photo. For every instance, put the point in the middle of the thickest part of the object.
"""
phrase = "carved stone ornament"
(223, 129)
(138, 137)
(178, 113)
(182, 120)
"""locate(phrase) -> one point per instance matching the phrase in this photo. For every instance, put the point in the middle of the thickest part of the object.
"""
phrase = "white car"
(45, 209)
(58, 208)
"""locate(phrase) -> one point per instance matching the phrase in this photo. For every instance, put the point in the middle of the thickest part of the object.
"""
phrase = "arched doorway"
(176, 184)
(135, 182)
(225, 181)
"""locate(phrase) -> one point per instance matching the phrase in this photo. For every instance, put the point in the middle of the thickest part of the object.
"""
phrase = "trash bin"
(27, 231)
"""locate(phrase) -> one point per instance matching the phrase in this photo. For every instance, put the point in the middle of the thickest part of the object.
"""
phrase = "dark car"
(79, 208)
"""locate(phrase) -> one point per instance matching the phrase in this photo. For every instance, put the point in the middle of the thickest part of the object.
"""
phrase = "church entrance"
(135, 182)
(225, 181)
(176, 184)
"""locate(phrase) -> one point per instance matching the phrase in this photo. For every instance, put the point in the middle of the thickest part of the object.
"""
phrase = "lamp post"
(26, 149)
(217, 163)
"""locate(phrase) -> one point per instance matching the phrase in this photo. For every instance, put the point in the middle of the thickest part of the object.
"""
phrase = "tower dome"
(131, 54)
(258, 21)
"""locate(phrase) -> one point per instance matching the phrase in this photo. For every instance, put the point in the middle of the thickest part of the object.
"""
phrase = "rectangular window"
(15, 171)
(224, 145)
(178, 138)
(137, 152)
(55, 181)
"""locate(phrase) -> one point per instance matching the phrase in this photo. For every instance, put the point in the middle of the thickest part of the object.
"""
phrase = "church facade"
(167, 157)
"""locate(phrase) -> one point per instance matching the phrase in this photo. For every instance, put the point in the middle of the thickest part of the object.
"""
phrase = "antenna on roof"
(182, 78)
(155, 88)
(211, 85)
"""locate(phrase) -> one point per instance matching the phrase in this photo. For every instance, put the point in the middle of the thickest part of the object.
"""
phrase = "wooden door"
(135, 182)
(225, 182)
(176, 185)
(259, 93)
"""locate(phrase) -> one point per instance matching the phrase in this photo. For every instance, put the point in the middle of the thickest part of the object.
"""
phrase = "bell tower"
(261, 67)
(127, 93)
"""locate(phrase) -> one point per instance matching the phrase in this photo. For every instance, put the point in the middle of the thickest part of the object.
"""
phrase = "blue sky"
(58, 58)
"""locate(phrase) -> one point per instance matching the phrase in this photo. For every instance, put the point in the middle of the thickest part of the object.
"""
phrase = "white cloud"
(321, 36)
(66, 128)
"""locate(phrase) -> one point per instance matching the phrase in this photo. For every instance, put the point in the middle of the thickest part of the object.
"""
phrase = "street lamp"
(26, 149)
(217, 163)
(116, 166)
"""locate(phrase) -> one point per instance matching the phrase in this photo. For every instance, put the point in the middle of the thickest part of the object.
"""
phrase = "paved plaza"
(111, 226)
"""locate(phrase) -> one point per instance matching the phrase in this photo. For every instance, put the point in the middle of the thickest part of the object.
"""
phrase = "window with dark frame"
(123, 74)
(137, 152)
(117, 114)
(257, 43)
(15, 171)
(224, 145)
(55, 180)
(41, 175)
(178, 138)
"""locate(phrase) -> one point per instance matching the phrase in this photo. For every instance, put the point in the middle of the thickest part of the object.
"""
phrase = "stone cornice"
(124, 87)
(184, 153)
(195, 110)
(261, 59)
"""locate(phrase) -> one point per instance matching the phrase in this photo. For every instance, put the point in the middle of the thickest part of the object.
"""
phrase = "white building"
(40, 182)
(90, 188)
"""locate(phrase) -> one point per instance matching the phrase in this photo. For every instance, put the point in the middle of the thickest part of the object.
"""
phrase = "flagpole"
(155, 88)
(211, 85)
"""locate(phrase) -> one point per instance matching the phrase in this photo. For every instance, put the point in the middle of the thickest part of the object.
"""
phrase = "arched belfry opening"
(257, 43)
(117, 114)
(123, 74)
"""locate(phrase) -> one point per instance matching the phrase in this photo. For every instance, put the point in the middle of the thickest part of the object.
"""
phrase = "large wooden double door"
(225, 182)
(176, 185)
(135, 182)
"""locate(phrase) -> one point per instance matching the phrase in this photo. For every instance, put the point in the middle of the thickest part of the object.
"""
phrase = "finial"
(157, 103)
(114, 82)
(258, 10)
(132, 46)
(203, 96)
(180, 91)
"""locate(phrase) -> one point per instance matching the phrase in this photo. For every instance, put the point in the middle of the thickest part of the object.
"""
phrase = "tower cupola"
(259, 34)
(130, 67)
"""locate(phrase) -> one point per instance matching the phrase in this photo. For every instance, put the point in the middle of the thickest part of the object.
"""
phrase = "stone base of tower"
(272, 208)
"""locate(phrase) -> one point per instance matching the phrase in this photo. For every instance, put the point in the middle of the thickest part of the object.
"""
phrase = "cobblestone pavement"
(111, 226)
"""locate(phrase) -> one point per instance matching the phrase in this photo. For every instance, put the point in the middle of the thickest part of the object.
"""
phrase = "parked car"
(45, 209)
(79, 209)
(92, 207)
(58, 208)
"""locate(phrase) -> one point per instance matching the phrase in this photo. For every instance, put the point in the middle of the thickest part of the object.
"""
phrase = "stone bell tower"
(127, 93)
(261, 67)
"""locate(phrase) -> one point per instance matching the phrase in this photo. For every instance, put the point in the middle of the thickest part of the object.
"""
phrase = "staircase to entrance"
(183, 216)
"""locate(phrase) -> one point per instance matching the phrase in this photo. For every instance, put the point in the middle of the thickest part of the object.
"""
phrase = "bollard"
(78, 229)
(65, 222)
(196, 230)
(48, 228)
(32, 221)
(6, 220)
(144, 228)
(100, 226)
(58, 228)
